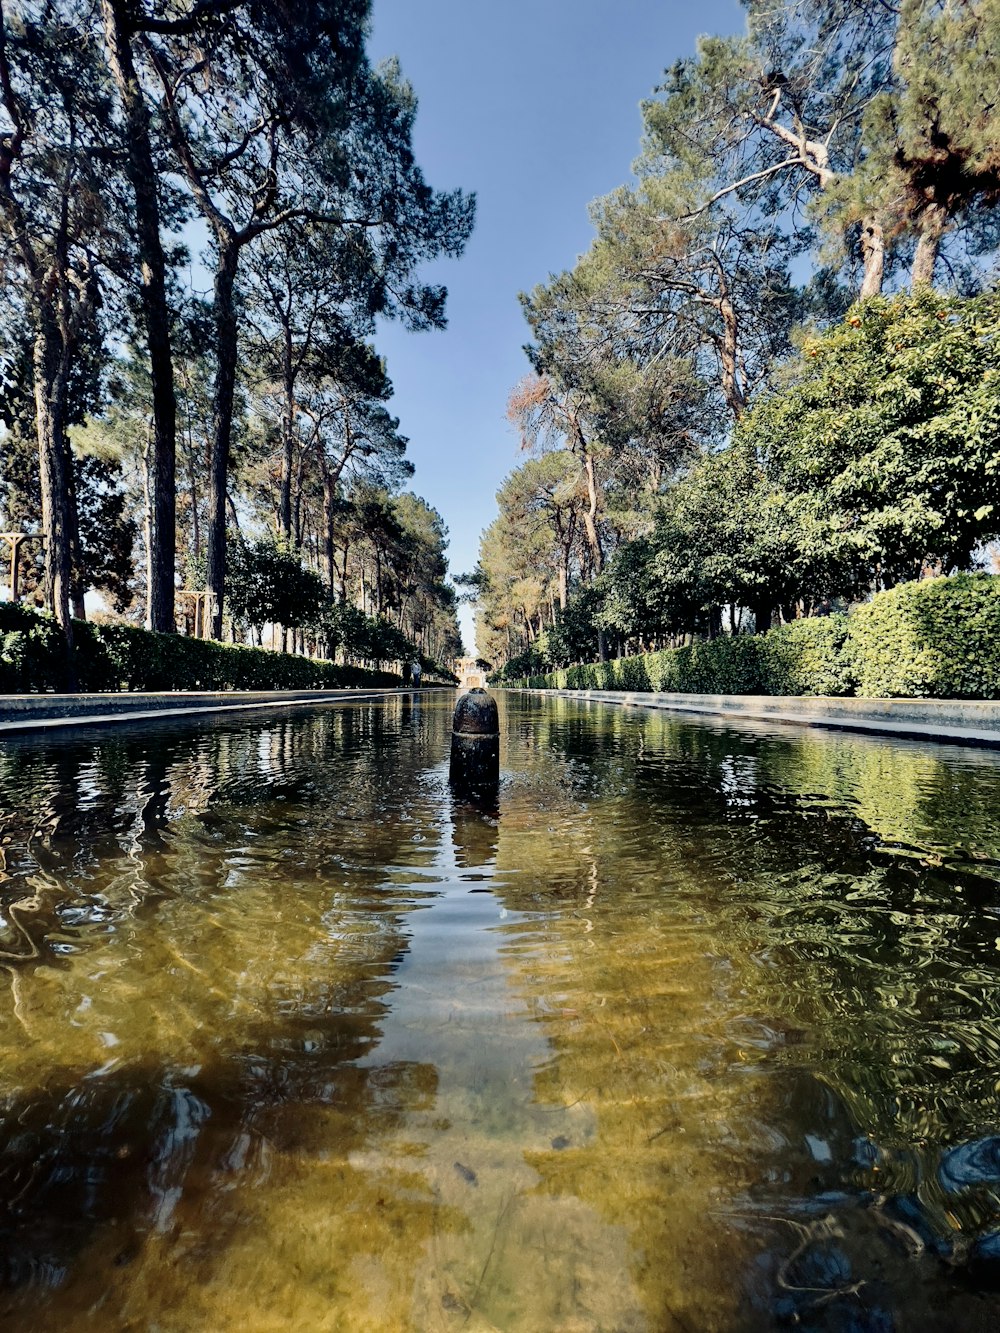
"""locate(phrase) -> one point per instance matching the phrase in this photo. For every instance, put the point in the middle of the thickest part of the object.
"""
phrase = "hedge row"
(936, 638)
(124, 657)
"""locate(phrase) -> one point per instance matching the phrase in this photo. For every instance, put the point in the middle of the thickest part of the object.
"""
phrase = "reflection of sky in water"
(701, 1030)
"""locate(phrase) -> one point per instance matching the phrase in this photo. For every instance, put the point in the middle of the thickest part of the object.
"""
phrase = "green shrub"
(938, 638)
(31, 649)
(935, 638)
(807, 657)
(116, 657)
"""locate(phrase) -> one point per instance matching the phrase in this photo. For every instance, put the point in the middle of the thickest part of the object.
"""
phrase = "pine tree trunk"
(328, 542)
(873, 257)
(50, 393)
(296, 534)
(287, 442)
(222, 429)
(932, 221)
(728, 353)
(590, 517)
(156, 315)
(78, 583)
(195, 523)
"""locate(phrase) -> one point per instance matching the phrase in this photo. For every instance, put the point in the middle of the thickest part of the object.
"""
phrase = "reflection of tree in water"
(93, 829)
(814, 874)
(210, 962)
(732, 1036)
(153, 1166)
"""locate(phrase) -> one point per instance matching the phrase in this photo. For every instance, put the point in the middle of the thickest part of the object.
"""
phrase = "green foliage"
(878, 459)
(267, 583)
(113, 657)
(107, 531)
(381, 641)
(432, 670)
(883, 453)
(32, 650)
(807, 657)
(529, 663)
(936, 638)
(939, 638)
(804, 657)
(719, 538)
(340, 626)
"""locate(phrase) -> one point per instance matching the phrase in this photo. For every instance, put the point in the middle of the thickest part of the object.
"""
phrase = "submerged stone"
(976, 1163)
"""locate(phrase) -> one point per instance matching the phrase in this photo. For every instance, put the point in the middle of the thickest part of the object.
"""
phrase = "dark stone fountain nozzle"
(475, 744)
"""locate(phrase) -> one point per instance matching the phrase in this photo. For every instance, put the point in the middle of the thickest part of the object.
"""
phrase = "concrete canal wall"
(966, 721)
(30, 712)
(969, 722)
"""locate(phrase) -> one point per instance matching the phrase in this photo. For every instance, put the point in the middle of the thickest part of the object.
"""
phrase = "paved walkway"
(968, 722)
(31, 712)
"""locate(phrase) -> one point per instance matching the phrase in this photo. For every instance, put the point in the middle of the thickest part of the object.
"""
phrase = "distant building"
(470, 674)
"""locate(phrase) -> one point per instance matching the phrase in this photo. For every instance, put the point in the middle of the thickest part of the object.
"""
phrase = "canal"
(698, 1028)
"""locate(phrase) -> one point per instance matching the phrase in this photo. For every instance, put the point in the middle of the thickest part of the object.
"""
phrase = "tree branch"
(797, 161)
(185, 27)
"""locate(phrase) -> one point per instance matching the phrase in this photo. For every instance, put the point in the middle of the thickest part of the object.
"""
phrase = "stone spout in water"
(475, 743)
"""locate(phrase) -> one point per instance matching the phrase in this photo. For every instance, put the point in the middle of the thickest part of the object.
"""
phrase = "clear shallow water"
(700, 1029)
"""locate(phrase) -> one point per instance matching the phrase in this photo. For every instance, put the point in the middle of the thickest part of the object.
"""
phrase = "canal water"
(695, 1028)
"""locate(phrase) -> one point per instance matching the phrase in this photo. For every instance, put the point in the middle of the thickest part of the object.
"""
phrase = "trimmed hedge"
(936, 638)
(939, 639)
(805, 657)
(125, 657)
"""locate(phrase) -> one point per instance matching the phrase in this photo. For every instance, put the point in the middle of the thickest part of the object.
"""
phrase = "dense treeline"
(232, 444)
(772, 385)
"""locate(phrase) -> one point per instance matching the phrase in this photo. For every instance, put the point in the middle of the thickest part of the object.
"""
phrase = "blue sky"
(534, 106)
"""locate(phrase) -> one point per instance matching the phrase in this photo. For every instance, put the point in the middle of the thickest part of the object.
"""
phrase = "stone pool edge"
(954, 721)
(31, 712)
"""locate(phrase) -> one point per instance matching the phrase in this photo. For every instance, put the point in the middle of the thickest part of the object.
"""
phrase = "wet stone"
(475, 744)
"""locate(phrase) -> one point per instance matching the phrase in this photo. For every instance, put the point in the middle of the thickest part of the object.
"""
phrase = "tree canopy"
(772, 377)
(255, 413)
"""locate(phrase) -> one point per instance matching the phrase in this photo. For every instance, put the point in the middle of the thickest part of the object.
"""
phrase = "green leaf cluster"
(884, 451)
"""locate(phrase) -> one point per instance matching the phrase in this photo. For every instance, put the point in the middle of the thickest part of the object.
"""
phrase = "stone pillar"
(475, 744)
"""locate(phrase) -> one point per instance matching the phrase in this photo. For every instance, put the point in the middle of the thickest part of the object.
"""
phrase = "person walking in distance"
(415, 672)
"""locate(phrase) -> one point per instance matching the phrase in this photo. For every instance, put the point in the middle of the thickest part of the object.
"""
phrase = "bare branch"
(796, 161)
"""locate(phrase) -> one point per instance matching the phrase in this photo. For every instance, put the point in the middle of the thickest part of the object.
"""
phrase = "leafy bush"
(114, 657)
(939, 638)
(266, 581)
(936, 638)
(529, 663)
(805, 657)
(881, 451)
(32, 650)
